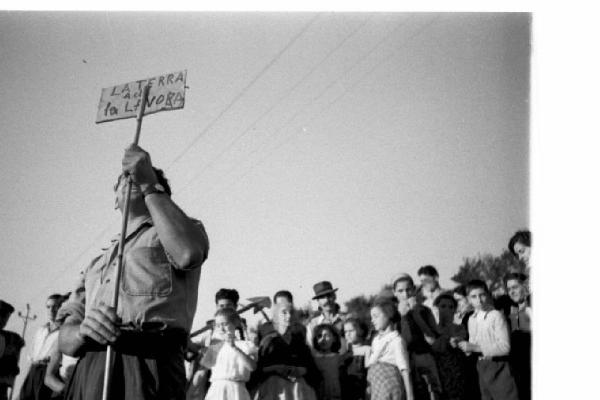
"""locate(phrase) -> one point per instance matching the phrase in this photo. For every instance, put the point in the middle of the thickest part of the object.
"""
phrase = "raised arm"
(184, 239)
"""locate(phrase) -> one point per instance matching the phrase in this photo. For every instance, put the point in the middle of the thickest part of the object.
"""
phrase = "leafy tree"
(360, 306)
(490, 269)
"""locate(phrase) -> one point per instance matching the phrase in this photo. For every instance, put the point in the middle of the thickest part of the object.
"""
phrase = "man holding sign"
(162, 254)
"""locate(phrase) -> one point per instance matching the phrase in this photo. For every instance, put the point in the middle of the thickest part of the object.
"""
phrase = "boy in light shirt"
(489, 338)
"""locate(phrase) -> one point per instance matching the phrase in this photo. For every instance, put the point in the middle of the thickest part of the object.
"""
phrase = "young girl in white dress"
(231, 361)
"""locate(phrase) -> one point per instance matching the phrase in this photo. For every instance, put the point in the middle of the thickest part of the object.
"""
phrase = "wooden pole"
(26, 318)
(110, 353)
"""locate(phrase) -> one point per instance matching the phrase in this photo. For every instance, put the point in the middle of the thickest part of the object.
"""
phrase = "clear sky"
(345, 147)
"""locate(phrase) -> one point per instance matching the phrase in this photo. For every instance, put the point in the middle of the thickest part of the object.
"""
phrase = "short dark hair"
(403, 278)
(361, 328)
(477, 284)
(515, 276)
(230, 315)
(428, 270)
(461, 290)
(57, 297)
(160, 177)
(283, 293)
(390, 308)
(445, 296)
(227, 294)
(523, 237)
(337, 340)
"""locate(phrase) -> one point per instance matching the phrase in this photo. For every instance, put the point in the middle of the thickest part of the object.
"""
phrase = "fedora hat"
(323, 289)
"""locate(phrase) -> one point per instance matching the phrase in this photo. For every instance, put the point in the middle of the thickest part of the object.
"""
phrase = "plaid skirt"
(385, 382)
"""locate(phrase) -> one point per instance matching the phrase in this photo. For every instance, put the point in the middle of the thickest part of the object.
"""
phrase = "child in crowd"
(418, 328)
(463, 308)
(354, 371)
(489, 339)
(464, 311)
(286, 369)
(388, 362)
(449, 359)
(326, 344)
(231, 361)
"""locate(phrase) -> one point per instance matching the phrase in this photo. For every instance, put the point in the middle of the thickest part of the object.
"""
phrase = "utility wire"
(277, 102)
(326, 108)
(70, 264)
(244, 90)
(334, 82)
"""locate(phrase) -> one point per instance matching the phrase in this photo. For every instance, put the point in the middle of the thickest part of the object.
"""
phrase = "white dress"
(229, 372)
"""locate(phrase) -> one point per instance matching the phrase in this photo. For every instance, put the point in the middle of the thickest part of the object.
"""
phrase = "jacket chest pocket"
(147, 272)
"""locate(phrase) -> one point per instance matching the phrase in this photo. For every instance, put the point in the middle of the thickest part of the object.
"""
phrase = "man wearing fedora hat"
(329, 312)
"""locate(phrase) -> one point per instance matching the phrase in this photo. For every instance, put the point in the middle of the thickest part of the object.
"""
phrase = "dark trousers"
(495, 380)
(145, 368)
(33, 386)
(520, 362)
(4, 391)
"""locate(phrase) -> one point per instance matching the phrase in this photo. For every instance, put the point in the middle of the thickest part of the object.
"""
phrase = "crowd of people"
(420, 342)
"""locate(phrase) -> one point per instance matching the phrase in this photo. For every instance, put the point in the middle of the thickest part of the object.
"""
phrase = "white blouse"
(389, 347)
(226, 362)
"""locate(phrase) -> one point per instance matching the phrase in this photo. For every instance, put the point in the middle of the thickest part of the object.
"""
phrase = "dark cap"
(323, 289)
(6, 308)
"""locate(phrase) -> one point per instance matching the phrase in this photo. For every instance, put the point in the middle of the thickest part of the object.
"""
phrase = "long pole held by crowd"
(115, 300)
(26, 318)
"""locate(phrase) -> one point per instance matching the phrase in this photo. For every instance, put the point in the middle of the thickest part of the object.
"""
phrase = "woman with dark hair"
(326, 345)
(285, 369)
(520, 246)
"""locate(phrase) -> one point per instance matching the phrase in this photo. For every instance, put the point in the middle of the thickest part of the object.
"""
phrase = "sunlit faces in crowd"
(226, 303)
(384, 315)
(326, 339)
(52, 305)
(462, 303)
(282, 316)
(327, 303)
(517, 287)
(227, 298)
(446, 305)
(283, 297)
(478, 295)
(226, 322)
(404, 288)
(428, 276)
(523, 252)
(520, 245)
(354, 333)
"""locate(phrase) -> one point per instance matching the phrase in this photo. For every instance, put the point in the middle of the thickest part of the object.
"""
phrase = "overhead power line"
(69, 265)
(327, 107)
(244, 90)
(276, 103)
